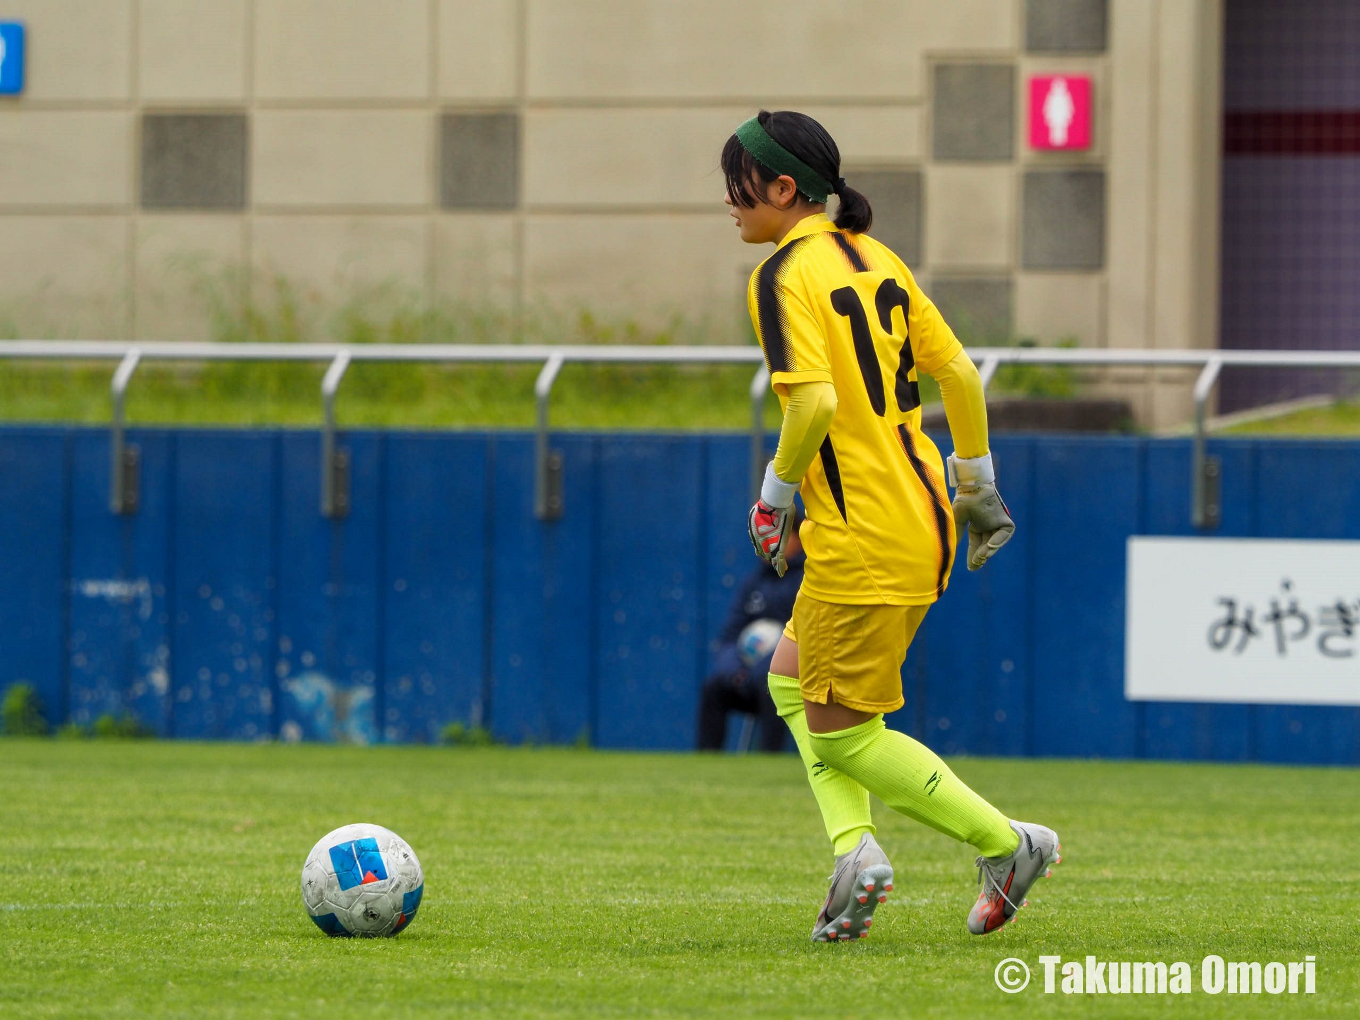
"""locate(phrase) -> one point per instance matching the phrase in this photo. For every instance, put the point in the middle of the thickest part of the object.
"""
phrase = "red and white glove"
(771, 520)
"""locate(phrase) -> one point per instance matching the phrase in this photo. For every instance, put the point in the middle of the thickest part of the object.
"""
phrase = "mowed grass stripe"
(161, 879)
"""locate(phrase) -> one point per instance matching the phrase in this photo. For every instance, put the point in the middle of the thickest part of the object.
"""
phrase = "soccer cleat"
(850, 905)
(1006, 880)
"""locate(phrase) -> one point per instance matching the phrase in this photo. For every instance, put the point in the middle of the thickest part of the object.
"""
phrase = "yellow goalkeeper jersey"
(842, 308)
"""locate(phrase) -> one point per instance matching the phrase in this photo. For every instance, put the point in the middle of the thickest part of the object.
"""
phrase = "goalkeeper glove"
(771, 520)
(978, 505)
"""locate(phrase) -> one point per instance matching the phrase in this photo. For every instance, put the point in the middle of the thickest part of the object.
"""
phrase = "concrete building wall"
(562, 153)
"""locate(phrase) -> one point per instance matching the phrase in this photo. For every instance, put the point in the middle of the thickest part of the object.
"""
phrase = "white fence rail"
(548, 463)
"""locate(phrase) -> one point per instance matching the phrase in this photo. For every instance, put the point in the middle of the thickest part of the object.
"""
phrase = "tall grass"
(271, 308)
(239, 307)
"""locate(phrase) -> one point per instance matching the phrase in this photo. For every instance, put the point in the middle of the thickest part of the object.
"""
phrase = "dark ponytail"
(809, 141)
(854, 213)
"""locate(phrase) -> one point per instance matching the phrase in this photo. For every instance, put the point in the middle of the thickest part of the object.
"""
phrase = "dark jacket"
(762, 595)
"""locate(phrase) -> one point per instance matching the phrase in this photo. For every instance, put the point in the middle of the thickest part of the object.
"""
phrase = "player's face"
(764, 222)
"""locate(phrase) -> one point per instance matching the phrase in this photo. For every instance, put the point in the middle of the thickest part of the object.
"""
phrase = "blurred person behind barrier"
(735, 685)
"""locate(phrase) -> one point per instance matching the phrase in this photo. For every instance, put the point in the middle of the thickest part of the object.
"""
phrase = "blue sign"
(11, 58)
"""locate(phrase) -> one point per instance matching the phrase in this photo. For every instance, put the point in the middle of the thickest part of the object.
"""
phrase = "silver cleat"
(862, 880)
(1006, 880)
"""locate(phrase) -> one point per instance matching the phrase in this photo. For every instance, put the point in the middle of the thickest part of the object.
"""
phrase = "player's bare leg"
(833, 716)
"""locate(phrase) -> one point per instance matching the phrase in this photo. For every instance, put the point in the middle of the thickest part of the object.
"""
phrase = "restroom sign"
(11, 58)
(1060, 111)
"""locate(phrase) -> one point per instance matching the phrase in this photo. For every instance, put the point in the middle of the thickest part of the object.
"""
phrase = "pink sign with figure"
(1060, 111)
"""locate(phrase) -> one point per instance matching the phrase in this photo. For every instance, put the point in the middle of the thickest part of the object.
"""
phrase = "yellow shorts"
(852, 653)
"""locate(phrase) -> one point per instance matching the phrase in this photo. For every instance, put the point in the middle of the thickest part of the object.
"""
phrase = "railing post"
(124, 460)
(989, 366)
(547, 462)
(1205, 505)
(334, 463)
(759, 384)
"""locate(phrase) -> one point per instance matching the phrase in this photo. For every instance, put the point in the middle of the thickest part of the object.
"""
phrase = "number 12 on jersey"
(846, 301)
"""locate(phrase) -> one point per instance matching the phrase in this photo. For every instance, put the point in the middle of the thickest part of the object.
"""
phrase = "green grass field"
(161, 879)
(432, 396)
(1339, 419)
(401, 396)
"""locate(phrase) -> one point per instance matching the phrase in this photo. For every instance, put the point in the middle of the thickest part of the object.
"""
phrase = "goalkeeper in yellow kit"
(845, 329)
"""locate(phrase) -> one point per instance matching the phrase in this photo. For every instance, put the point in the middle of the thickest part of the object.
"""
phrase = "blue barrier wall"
(227, 607)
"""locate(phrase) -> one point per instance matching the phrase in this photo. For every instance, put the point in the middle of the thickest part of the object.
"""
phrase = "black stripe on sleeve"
(772, 327)
(833, 475)
(851, 253)
(941, 511)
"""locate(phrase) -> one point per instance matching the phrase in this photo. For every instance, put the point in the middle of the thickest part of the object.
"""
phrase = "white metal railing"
(548, 462)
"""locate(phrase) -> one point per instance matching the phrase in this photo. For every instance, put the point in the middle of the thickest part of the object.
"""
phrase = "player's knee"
(784, 691)
(829, 750)
(838, 747)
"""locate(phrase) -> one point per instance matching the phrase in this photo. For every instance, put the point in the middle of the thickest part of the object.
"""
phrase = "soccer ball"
(758, 639)
(362, 880)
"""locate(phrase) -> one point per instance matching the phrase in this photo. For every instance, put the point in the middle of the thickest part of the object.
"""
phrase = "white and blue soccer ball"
(362, 880)
(758, 639)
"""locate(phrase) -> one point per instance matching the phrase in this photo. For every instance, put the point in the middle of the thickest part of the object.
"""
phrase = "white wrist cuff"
(971, 471)
(775, 491)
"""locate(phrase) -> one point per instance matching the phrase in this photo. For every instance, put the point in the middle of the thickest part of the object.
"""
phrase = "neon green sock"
(844, 803)
(909, 777)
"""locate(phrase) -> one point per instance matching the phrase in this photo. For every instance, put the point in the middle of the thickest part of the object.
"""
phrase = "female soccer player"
(844, 329)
